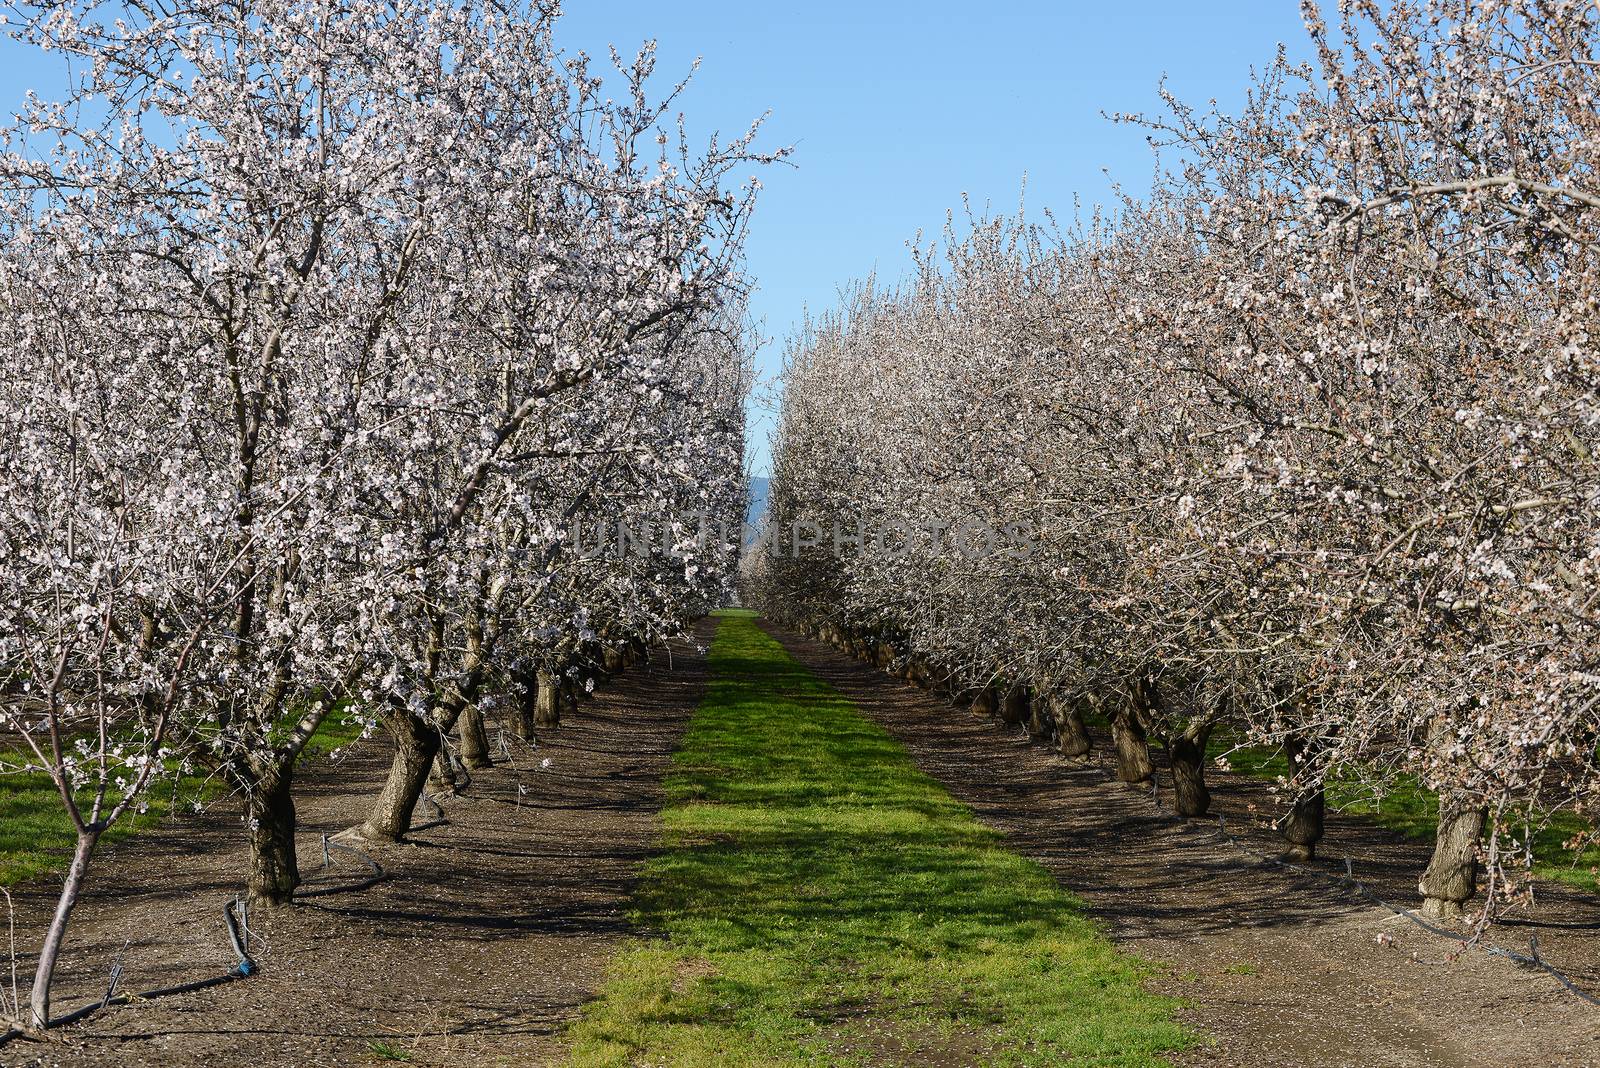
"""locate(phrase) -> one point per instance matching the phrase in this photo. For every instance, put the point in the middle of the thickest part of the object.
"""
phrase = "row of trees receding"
(337, 337)
(1304, 446)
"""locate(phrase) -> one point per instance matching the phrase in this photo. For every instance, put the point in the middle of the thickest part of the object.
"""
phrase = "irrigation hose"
(236, 928)
(246, 967)
(328, 845)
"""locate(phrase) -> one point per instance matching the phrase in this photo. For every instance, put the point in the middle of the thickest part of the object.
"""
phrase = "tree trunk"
(1133, 748)
(449, 775)
(547, 710)
(569, 696)
(526, 717)
(1188, 757)
(1014, 708)
(1452, 875)
(269, 813)
(1302, 828)
(611, 658)
(44, 971)
(474, 738)
(1072, 734)
(921, 675)
(1040, 721)
(416, 743)
(986, 703)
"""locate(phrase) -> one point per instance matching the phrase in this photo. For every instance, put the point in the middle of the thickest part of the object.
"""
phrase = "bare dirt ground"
(488, 932)
(1277, 969)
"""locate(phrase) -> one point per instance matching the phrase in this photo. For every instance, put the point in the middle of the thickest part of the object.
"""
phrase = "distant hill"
(757, 508)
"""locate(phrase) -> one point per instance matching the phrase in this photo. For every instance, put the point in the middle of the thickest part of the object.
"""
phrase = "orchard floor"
(1276, 969)
(487, 934)
(495, 926)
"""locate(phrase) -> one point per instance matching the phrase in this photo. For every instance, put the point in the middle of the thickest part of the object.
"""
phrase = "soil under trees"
(485, 937)
(494, 927)
(1277, 969)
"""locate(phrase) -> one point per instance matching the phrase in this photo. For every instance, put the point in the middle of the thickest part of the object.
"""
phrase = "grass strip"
(822, 902)
(37, 837)
(1408, 807)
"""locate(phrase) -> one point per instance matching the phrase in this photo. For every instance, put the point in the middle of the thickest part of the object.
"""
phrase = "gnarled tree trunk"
(1302, 828)
(1128, 736)
(547, 708)
(1072, 734)
(1014, 708)
(1451, 877)
(270, 816)
(1041, 722)
(449, 774)
(1188, 758)
(525, 710)
(986, 703)
(416, 744)
(473, 738)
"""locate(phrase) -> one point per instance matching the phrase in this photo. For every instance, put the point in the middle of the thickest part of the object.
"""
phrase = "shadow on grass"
(820, 894)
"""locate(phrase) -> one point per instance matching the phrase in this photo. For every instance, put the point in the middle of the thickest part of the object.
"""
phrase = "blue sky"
(897, 108)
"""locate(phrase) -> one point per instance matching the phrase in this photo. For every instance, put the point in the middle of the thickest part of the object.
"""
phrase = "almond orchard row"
(1305, 444)
(324, 324)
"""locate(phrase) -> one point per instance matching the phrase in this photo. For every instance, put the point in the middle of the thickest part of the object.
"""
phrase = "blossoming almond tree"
(1307, 441)
(239, 232)
(565, 335)
(309, 306)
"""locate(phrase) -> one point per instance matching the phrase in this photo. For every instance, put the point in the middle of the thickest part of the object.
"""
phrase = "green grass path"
(821, 902)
